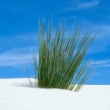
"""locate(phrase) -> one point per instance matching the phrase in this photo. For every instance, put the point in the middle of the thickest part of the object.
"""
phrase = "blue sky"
(18, 32)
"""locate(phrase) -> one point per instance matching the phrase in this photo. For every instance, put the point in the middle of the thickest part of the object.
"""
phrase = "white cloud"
(102, 40)
(102, 63)
(103, 32)
(86, 5)
(78, 5)
(14, 58)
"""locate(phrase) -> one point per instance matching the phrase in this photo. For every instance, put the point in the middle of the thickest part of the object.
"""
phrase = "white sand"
(15, 94)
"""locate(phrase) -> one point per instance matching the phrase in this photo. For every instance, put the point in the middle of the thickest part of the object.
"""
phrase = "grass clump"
(61, 57)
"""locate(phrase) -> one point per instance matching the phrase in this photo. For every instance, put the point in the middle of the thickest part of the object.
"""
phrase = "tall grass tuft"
(62, 57)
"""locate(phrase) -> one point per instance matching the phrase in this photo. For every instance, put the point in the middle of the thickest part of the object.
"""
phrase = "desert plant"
(62, 57)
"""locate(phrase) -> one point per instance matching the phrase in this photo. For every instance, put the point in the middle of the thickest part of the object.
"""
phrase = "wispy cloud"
(75, 6)
(15, 58)
(102, 63)
(102, 40)
(86, 5)
(103, 31)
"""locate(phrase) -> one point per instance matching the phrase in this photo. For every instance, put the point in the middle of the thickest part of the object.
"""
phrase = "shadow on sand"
(24, 85)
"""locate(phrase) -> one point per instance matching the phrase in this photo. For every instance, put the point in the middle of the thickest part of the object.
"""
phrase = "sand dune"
(15, 94)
